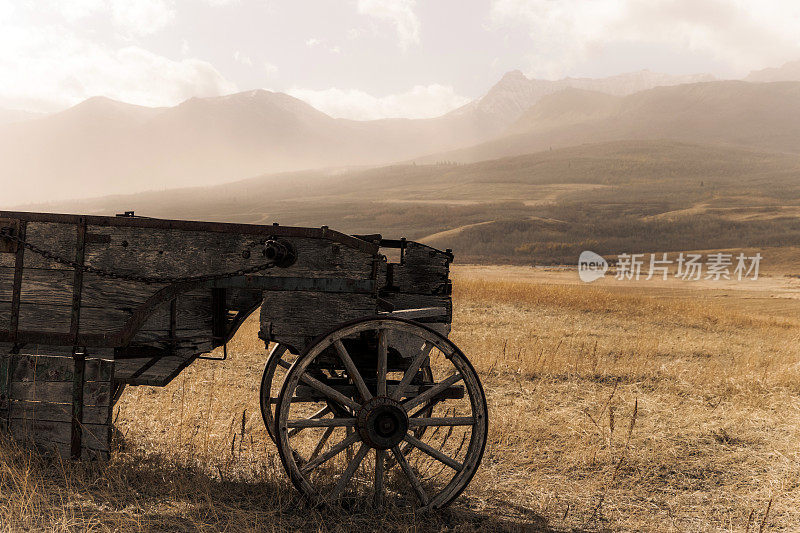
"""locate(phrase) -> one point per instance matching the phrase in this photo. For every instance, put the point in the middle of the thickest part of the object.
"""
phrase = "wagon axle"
(382, 422)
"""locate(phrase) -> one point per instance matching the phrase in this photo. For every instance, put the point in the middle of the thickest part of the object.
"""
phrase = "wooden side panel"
(36, 401)
(174, 252)
(422, 280)
(106, 305)
(295, 318)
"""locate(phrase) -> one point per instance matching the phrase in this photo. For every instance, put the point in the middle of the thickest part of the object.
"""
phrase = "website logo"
(591, 266)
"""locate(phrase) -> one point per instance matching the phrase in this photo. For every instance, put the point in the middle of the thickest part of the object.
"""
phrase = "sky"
(367, 59)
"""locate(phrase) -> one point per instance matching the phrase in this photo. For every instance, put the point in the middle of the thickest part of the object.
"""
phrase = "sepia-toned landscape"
(628, 403)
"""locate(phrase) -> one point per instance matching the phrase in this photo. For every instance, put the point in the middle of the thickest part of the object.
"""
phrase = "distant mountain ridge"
(7, 116)
(101, 146)
(763, 116)
(515, 93)
(787, 72)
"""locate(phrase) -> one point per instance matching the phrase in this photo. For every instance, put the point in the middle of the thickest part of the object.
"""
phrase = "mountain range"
(102, 146)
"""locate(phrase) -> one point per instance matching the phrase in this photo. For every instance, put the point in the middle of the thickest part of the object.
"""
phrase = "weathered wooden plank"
(419, 254)
(5, 315)
(94, 392)
(53, 237)
(184, 336)
(175, 252)
(102, 292)
(64, 351)
(296, 318)
(57, 412)
(45, 318)
(38, 285)
(191, 312)
(188, 225)
(172, 252)
(94, 436)
(48, 286)
(419, 280)
(144, 371)
(43, 368)
(56, 318)
(62, 449)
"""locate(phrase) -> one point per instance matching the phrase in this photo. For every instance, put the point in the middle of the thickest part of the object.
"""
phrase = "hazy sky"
(368, 58)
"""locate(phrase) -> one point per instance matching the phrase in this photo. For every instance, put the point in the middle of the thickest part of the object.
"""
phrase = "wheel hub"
(382, 423)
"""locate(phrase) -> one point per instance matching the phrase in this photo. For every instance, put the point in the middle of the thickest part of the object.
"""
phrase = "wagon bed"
(90, 304)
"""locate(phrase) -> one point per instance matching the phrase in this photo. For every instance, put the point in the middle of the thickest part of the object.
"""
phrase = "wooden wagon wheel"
(279, 361)
(379, 411)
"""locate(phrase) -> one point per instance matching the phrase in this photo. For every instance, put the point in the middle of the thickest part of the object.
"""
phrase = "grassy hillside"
(542, 208)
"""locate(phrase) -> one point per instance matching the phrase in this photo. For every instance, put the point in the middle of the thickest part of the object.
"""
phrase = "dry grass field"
(676, 409)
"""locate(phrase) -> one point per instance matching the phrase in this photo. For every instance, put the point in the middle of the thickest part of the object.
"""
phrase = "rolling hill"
(540, 207)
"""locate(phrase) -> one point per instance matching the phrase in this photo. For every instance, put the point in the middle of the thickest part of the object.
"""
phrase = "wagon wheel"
(385, 409)
(279, 361)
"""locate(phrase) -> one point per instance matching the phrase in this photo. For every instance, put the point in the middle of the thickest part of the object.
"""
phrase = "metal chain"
(132, 277)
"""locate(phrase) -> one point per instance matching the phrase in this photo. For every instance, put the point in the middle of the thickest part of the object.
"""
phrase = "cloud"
(398, 12)
(739, 33)
(54, 65)
(142, 17)
(422, 101)
(46, 69)
(312, 42)
(132, 17)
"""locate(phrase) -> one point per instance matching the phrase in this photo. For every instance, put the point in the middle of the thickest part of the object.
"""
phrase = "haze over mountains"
(103, 147)
(765, 116)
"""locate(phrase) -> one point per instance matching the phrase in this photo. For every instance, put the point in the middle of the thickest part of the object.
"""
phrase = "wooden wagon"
(360, 365)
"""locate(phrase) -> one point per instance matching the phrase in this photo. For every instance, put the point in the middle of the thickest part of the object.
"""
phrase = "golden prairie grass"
(609, 411)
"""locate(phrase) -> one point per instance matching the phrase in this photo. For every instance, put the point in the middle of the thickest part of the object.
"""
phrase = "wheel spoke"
(321, 423)
(335, 450)
(277, 351)
(348, 473)
(321, 443)
(433, 452)
(442, 421)
(355, 375)
(427, 407)
(380, 463)
(330, 392)
(382, 361)
(319, 414)
(433, 391)
(412, 477)
(416, 364)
